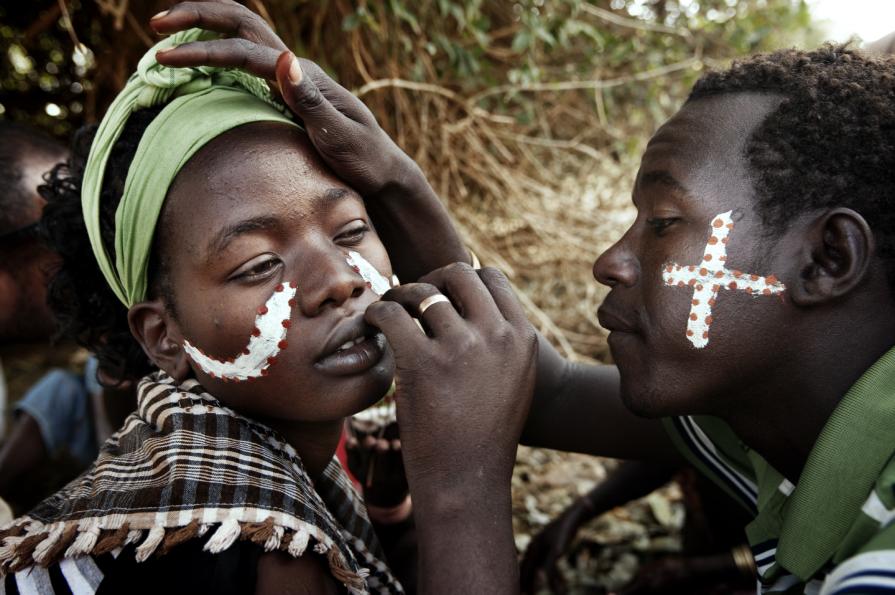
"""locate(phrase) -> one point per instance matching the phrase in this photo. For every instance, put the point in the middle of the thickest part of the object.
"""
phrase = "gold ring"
(431, 301)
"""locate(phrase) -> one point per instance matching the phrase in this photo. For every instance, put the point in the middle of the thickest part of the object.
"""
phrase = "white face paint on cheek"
(378, 283)
(712, 275)
(267, 340)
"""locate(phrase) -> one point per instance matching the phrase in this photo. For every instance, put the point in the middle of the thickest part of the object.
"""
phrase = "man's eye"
(354, 235)
(661, 224)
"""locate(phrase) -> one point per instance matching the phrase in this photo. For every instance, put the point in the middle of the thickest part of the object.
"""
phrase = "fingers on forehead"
(257, 59)
(219, 16)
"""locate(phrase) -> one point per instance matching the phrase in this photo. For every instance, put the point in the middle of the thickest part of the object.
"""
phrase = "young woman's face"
(680, 347)
(254, 212)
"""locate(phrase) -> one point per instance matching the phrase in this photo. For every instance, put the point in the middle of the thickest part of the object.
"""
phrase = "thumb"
(303, 96)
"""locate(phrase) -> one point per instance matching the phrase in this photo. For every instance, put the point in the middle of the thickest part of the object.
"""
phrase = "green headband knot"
(202, 103)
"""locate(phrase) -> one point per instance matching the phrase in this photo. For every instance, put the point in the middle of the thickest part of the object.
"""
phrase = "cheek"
(243, 344)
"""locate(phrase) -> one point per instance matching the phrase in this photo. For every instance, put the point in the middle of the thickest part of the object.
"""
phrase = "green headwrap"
(202, 103)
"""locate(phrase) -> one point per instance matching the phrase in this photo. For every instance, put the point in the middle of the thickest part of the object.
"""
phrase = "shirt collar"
(851, 451)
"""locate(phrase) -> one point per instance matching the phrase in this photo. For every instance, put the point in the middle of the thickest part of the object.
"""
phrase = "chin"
(645, 400)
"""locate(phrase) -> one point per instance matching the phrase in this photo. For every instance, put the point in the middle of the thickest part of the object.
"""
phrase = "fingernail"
(160, 15)
(295, 74)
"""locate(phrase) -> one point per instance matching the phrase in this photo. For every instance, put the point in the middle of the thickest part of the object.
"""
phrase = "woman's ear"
(159, 335)
(838, 250)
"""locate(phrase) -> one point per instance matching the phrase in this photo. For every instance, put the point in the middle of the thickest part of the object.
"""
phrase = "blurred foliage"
(526, 115)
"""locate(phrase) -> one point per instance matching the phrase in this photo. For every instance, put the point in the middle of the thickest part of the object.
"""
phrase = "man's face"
(25, 264)
(680, 346)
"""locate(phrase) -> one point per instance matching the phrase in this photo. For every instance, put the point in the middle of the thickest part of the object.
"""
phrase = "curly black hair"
(85, 307)
(831, 140)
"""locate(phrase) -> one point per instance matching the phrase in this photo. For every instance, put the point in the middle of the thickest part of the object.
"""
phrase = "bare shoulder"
(281, 574)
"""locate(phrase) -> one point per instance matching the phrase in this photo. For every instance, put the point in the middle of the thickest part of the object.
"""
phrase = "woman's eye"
(258, 270)
(354, 234)
(661, 224)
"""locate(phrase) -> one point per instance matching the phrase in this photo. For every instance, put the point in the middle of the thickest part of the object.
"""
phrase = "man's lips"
(613, 322)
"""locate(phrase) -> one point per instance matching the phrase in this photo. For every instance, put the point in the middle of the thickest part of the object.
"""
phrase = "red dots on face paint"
(719, 274)
(703, 272)
(707, 257)
(283, 344)
(708, 320)
(287, 324)
(292, 303)
(695, 302)
(771, 279)
(765, 291)
(693, 316)
(691, 282)
(713, 240)
(279, 287)
(681, 284)
(272, 360)
(732, 285)
(293, 284)
(717, 222)
(689, 333)
(256, 332)
(262, 310)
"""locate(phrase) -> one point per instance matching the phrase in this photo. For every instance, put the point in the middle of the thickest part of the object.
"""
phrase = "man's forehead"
(706, 138)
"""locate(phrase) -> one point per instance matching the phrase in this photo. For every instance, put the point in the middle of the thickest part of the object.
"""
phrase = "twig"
(692, 62)
(615, 19)
(135, 25)
(69, 26)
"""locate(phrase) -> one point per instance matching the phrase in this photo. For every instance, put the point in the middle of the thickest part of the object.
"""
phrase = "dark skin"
(226, 254)
(768, 358)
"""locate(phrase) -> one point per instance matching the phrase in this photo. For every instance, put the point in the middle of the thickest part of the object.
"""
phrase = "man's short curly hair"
(830, 142)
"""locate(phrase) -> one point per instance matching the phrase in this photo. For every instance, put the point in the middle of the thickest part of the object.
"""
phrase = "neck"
(793, 404)
(315, 442)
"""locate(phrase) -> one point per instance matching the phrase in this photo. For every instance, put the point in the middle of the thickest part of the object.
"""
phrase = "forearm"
(414, 225)
(578, 408)
(629, 481)
(466, 542)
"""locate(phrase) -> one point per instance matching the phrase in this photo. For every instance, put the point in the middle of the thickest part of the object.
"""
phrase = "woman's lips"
(357, 358)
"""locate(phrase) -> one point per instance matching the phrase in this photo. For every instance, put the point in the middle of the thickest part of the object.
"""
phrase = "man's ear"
(157, 332)
(838, 250)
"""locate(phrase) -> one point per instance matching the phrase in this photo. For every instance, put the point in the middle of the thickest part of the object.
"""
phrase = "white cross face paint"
(378, 283)
(712, 275)
(267, 340)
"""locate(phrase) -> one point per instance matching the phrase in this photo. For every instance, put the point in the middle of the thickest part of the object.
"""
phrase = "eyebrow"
(222, 239)
(663, 178)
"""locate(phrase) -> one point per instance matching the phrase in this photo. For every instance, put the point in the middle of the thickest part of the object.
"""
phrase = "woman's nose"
(617, 266)
(329, 281)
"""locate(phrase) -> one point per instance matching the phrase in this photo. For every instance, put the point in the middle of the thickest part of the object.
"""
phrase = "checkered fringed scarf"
(183, 465)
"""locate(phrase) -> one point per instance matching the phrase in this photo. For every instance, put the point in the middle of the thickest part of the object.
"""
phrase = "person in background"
(63, 417)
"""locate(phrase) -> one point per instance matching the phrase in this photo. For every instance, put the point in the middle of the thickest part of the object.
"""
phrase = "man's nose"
(328, 282)
(617, 266)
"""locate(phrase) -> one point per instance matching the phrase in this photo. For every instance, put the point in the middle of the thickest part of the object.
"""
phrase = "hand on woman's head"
(341, 127)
